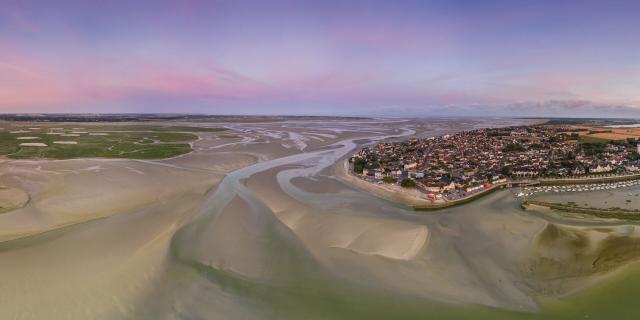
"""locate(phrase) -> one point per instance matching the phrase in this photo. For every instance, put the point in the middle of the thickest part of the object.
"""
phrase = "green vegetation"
(109, 127)
(599, 131)
(389, 180)
(607, 213)
(496, 133)
(152, 128)
(506, 170)
(408, 183)
(593, 148)
(592, 140)
(99, 141)
(513, 147)
(358, 165)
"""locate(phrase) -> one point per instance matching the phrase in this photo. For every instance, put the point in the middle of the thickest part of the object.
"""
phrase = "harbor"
(532, 190)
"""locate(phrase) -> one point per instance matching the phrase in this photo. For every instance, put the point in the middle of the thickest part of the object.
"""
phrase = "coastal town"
(456, 166)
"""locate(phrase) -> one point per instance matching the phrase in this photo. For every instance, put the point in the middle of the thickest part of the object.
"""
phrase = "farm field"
(606, 133)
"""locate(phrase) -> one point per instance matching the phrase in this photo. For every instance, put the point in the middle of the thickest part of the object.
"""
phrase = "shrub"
(389, 180)
(408, 183)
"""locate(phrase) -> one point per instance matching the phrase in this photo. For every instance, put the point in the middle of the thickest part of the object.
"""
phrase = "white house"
(601, 169)
(410, 165)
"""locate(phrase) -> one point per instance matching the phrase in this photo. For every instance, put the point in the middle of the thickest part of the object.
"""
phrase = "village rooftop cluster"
(474, 160)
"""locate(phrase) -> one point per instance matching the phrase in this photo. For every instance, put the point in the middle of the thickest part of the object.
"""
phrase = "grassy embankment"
(98, 141)
(606, 213)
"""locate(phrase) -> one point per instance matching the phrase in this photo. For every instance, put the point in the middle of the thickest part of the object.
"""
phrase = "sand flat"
(33, 144)
(119, 238)
(12, 198)
(394, 241)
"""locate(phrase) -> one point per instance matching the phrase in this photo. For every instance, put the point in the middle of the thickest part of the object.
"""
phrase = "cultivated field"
(606, 133)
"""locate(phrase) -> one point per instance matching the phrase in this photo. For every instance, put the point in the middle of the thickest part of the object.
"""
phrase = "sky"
(393, 58)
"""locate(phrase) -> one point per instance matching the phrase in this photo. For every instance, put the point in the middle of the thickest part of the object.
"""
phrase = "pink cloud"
(32, 81)
(25, 81)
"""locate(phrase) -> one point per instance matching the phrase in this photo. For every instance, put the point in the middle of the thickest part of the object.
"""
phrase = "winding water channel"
(279, 234)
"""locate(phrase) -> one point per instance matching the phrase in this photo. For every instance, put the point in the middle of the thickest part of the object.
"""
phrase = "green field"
(112, 141)
(107, 127)
(590, 139)
(150, 128)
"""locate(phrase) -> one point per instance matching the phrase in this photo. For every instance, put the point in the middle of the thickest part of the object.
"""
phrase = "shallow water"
(292, 283)
(259, 246)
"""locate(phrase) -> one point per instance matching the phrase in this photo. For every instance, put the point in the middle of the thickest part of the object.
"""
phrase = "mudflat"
(259, 222)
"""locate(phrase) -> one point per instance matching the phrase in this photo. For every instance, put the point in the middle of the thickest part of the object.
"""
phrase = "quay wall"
(453, 203)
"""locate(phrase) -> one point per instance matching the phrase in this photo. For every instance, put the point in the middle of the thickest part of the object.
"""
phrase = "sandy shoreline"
(409, 197)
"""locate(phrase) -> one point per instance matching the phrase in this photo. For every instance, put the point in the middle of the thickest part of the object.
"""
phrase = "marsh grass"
(117, 141)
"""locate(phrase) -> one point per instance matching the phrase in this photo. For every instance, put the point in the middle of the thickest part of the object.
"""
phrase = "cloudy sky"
(321, 57)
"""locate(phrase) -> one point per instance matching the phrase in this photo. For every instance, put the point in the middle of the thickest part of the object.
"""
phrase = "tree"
(358, 165)
(408, 183)
(633, 156)
(513, 147)
(569, 156)
(389, 180)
